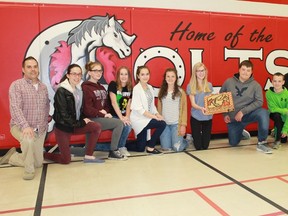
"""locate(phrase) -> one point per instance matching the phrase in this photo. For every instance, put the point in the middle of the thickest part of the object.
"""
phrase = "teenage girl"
(97, 108)
(197, 89)
(69, 118)
(172, 104)
(144, 115)
(120, 93)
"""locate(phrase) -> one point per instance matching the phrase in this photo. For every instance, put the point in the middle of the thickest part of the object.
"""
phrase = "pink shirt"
(29, 107)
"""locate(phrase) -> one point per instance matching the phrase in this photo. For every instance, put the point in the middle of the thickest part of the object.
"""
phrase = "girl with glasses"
(69, 119)
(197, 89)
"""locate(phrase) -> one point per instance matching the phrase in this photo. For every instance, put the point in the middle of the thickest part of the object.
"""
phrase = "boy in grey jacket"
(248, 101)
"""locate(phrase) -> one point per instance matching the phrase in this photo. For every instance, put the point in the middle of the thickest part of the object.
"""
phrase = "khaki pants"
(32, 151)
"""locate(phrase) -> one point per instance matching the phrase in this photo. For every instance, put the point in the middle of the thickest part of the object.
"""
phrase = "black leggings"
(278, 124)
(158, 127)
(201, 133)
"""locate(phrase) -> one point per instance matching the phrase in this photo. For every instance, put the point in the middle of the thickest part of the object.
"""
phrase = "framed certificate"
(219, 103)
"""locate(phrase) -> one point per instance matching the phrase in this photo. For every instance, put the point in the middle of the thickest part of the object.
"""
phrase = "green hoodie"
(278, 102)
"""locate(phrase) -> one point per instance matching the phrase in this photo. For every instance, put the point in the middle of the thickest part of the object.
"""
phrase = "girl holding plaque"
(201, 123)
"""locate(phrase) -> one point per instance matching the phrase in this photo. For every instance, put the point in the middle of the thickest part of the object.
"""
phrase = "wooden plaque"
(218, 103)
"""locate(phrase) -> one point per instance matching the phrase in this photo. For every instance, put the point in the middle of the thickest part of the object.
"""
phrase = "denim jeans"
(235, 129)
(169, 139)
(124, 136)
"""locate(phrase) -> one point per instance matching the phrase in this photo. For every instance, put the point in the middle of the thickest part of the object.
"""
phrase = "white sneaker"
(262, 147)
(177, 146)
(245, 135)
(124, 151)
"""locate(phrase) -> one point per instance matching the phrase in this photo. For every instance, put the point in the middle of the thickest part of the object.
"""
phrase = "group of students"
(88, 108)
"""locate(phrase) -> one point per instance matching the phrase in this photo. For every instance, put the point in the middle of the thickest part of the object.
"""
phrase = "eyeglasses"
(76, 74)
(200, 71)
(97, 71)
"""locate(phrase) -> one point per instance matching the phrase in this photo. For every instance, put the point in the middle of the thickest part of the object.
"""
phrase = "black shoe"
(154, 152)
(116, 155)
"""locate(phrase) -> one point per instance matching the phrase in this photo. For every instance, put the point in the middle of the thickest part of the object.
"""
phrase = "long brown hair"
(164, 86)
(118, 81)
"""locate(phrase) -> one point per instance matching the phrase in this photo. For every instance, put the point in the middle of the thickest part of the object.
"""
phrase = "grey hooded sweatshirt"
(247, 96)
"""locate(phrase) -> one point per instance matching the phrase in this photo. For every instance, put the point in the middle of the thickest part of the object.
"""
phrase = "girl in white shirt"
(144, 115)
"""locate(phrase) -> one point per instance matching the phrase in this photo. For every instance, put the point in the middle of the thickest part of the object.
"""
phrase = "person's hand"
(159, 117)
(103, 112)
(125, 120)
(87, 120)
(108, 115)
(28, 133)
(283, 135)
(203, 109)
(227, 119)
(239, 116)
(182, 130)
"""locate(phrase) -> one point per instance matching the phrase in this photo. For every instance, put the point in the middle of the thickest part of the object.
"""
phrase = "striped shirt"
(170, 109)
(29, 107)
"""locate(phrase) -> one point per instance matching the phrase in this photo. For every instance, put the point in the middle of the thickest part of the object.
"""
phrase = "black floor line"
(284, 210)
(39, 200)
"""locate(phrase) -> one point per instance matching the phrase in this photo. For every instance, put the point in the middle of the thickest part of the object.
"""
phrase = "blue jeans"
(235, 129)
(169, 138)
(124, 136)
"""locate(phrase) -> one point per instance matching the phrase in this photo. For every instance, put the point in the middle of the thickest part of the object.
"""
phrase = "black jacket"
(65, 112)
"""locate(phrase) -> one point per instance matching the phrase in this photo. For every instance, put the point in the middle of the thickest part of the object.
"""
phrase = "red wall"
(163, 38)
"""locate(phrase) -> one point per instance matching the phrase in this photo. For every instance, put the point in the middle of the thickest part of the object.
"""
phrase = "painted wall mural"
(59, 35)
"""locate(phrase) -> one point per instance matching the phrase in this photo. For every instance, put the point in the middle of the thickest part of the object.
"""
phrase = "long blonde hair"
(194, 83)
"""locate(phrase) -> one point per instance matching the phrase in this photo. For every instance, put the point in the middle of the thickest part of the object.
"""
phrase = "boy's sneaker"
(262, 147)
(276, 145)
(245, 135)
(116, 155)
(124, 151)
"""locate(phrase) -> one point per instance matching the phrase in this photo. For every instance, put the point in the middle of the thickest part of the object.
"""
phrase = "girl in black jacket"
(69, 119)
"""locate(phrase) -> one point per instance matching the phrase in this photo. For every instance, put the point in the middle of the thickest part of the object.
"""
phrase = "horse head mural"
(83, 43)
(80, 41)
